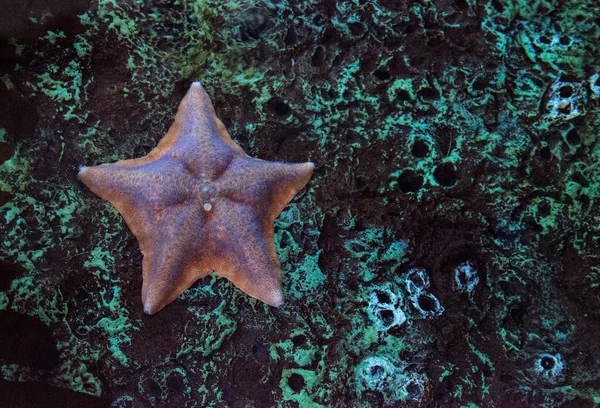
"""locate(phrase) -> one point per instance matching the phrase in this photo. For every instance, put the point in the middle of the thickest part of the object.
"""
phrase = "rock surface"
(445, 253)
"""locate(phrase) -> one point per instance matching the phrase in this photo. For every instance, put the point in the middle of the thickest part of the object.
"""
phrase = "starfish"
(197, 203)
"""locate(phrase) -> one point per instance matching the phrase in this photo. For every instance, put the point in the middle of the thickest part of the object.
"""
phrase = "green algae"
(215, 328)
(368, 247)
(304, 397)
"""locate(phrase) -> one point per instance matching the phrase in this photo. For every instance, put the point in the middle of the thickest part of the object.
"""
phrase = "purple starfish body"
(197, 203)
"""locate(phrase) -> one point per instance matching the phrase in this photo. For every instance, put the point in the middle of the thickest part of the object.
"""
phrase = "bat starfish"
(197, 203)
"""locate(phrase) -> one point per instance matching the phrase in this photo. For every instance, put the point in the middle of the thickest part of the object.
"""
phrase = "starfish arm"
(254, 182)
(172, 264)
(197, 137)
(244, 251)
(138, 193)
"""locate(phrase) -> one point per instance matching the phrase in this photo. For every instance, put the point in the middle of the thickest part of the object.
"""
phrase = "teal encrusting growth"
(446, 253)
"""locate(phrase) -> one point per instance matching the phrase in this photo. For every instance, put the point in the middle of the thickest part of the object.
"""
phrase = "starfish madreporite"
(198, 203)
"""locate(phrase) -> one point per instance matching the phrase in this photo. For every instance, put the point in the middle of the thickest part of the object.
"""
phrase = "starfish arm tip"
(197, 83)
(148, 310)
(308, 169)
(86, 175)
(92, 176)
(150, 304)
(274, 299)
(275, 303)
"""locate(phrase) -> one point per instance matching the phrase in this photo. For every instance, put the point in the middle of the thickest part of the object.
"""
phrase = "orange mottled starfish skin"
(197, 203)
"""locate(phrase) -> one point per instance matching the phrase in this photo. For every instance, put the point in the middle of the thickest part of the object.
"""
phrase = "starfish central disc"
(208, 192)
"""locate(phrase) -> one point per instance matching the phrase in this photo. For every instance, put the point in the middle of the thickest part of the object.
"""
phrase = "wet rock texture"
(445, 253)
